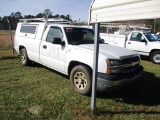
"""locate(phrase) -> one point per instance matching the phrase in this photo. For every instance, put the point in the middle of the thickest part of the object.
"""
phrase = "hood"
(155, 44)
(108, 51)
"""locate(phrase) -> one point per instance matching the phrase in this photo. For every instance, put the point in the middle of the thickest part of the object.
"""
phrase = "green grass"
(36, 92)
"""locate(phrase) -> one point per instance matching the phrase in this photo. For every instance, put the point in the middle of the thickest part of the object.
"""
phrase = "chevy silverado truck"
(69, 49)
(143, 43)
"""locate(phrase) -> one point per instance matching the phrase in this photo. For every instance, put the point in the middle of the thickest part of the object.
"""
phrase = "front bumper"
(111, 82)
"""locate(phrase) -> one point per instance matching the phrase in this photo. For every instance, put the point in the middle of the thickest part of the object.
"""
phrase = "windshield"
(150, 37)
(78, 36)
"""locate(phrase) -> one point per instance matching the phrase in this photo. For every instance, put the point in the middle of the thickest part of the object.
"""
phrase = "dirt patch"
(35, 110)
(1, 108)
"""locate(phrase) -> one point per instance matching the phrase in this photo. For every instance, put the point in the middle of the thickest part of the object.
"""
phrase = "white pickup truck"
(144, 43)
(69, 49)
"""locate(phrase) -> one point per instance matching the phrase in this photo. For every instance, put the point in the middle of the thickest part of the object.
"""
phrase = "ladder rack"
(46, 20)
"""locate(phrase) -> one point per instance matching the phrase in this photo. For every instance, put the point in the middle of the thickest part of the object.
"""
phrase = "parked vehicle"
(143, 43)
(69, 49)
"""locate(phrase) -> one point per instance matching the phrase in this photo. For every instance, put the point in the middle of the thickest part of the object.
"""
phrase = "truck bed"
(114, 39)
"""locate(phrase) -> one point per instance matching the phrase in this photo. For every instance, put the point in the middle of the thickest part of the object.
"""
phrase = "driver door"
(53, 55)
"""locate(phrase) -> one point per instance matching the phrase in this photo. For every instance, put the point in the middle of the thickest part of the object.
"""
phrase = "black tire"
(80, 78)
(155, 57)
(24, 57)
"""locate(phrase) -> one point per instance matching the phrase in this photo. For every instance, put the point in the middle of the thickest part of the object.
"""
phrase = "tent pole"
(95, 66)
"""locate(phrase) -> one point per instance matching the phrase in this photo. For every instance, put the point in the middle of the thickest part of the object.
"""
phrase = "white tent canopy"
(117, 10)
(121, 10)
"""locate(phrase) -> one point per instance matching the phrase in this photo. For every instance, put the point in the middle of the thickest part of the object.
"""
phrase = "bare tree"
(47, 13)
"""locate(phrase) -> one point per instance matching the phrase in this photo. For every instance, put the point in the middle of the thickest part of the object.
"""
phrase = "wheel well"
(21, 47)
(152, 51)
(75, 63)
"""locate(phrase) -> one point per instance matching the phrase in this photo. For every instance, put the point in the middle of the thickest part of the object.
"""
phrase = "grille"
(129, 61)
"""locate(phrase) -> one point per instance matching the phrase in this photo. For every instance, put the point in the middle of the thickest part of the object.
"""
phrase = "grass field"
(36, 92)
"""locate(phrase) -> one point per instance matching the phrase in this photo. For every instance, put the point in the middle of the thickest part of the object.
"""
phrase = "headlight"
(113, 62)
(113, 66)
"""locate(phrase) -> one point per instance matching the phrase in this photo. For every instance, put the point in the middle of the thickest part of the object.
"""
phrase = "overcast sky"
(77, 9)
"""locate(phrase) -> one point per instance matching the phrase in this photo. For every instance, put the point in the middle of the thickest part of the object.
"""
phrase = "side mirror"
(58, 41)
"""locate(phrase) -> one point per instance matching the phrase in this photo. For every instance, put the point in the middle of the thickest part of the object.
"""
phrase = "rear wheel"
(80, 78)
(24, 57)
(155, 57)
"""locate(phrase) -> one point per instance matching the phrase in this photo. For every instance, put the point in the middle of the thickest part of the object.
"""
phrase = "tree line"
(13, 18)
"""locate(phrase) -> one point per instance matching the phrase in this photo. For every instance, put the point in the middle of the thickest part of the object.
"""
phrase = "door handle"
(129, 42)
(44, 46)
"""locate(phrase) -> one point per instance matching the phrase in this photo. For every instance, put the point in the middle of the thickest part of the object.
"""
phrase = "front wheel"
(80, 78)
(155, 57)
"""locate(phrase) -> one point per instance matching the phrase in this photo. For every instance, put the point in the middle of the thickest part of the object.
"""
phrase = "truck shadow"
(125, 113)
(145, 58)
(145, 92)
(7, 57)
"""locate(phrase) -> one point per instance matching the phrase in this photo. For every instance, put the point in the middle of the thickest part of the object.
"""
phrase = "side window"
(28, 29)
(54, 32)
(137, 36)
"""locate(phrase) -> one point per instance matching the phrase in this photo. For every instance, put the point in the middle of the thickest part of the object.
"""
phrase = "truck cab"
(145, 44)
